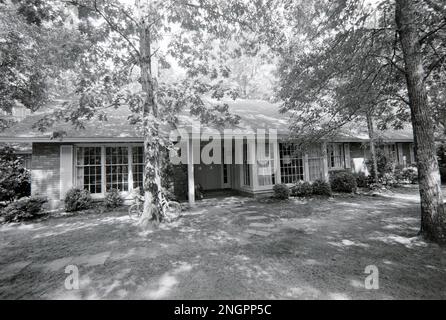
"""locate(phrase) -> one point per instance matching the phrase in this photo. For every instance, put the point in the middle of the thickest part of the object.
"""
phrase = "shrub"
(15, 181)
(77, 199)
(443, 174)
(343, 181)
(281, 191)
(390, 179)
(113, 199)
(321, 188)
(23, 209)
(362, 180)
(385, 164)
(410, 174)
(302, 189)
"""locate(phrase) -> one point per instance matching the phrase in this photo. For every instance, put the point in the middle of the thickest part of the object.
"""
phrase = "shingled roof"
(255, 114)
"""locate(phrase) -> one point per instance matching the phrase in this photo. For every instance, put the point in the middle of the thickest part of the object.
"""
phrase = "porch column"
(252, 156)
(190, 173)
(277, 162)
(325, 161)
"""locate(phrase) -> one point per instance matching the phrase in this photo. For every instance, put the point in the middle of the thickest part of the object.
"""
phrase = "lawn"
(235, 249)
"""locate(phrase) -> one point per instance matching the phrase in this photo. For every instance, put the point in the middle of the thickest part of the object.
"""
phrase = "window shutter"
(412, 153)
(66, 169)
(400, 153)
(347, 155)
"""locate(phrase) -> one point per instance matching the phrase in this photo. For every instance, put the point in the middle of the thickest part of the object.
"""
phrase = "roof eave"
(71, 139)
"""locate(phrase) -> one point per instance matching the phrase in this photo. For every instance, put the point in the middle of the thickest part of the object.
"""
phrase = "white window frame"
(103, 165)
(271, 160)
(282, 159)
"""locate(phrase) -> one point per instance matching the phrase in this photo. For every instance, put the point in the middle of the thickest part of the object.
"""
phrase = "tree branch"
(432, 32)
(112, 26)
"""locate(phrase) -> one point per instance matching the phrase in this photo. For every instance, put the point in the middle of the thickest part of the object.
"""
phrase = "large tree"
(374, 62)
(409, 22)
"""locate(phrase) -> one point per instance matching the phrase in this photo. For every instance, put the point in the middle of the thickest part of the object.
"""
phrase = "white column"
(103, 175)
(399, 149)
(130, 167)
(277, 162)
(412, 153)
(347, 155)
(325, 161)
(252, 156)
(190, 173)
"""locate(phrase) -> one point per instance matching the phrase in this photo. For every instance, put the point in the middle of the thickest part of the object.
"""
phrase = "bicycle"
(170, 209)
(137, 208)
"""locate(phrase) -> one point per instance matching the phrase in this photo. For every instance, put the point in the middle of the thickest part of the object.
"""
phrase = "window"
(246, 166)
(390, 152)
(315, 164)
(89, 169)
(335, 154)
(116, 168)
(25, 160)
(138, 167)
(265, 164)
(101, 168)
(291, 163)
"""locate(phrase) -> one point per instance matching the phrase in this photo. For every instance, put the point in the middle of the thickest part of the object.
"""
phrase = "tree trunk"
(372, 146)
(433, 220)
(152, 177)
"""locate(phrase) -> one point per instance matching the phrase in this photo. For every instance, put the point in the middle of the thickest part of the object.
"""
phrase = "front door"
(226, 176)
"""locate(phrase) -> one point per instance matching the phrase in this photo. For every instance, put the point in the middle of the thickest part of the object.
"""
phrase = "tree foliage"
(14, 178)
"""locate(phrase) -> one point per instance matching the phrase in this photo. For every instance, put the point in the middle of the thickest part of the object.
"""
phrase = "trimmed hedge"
(281, 191)
(321, 188)
(302, 189)
(77, 199)
(113, 199)
(343, 181)
(23, 209)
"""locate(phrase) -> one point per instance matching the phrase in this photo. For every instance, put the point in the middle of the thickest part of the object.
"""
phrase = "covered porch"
(262, 165)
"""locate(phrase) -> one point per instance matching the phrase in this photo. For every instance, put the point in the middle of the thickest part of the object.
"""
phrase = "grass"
(316, 248)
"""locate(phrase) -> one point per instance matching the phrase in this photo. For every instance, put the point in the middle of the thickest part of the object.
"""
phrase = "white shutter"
(412, 153)
(66, 169)
(399, 147)
(347, 155)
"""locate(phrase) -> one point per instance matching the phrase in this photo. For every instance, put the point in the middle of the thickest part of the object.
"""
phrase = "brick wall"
(45, 167)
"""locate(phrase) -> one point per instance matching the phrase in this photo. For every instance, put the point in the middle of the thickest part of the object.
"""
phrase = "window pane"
(88, 169)
(291, 163)
(265, 164)
(116, 168)
(138, 167)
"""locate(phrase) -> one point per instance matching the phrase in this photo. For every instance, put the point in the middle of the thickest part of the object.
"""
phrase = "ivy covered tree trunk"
(152, 177)
(372, 146)
(433, 219)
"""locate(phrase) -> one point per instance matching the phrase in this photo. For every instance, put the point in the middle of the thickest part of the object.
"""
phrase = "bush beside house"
(15, 180)
(77, 199)
(307, 189)
(113, 199)
(343, 181)
(281, 191)
(302, 189)
(321, 188)
(23, 209)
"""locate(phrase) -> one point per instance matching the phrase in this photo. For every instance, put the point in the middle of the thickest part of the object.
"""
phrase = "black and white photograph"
(227, 151)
